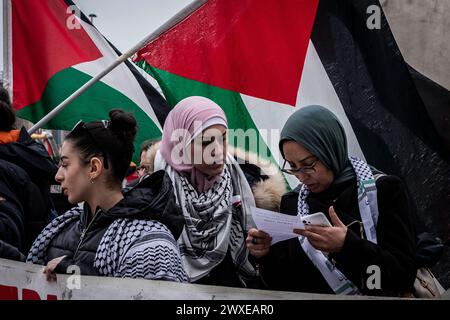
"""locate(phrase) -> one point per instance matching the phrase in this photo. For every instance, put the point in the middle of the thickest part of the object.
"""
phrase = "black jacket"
(34, 159)
(152, 199)
(26, 174)
(9, 252)
(23, 212)
(287, 267)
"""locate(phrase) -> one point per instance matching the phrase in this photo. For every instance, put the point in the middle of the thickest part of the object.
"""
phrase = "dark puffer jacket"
(23, 213)
(9, 252)
(34, 159)
(26, 172)
(147, 216)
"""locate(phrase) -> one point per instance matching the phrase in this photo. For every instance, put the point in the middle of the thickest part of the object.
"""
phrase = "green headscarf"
(319, 130)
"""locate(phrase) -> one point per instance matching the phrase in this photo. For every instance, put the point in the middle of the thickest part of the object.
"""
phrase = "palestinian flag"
(262, 60)
(53, 50)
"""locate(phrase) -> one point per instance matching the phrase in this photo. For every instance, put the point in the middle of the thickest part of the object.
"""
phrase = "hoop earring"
(92, 181)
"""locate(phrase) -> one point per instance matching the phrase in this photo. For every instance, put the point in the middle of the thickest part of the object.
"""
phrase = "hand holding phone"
(316, 219)
(324, 239)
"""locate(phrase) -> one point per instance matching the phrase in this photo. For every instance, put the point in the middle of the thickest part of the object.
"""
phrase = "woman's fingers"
(327, 239)
(309, 234)
(52, 277)
(49, 275)
(258, 233)
(258, 242)
(318, 229)
(334, 218)
(257, 237)
(50, 267)
(304, 232)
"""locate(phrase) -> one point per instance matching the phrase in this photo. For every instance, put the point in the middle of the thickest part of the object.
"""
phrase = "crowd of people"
(187, 218)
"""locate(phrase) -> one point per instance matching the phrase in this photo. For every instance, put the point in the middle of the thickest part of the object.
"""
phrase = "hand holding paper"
(278, 225)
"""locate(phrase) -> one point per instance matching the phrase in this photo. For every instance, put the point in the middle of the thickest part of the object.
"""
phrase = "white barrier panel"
(20, 281)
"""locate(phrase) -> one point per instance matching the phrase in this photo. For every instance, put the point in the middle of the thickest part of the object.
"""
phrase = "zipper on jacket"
(83, 233)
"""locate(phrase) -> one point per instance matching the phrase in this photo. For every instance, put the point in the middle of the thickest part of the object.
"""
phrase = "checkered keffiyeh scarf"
(368, 208)
(216, 221)
(38, 251)
(129, 248)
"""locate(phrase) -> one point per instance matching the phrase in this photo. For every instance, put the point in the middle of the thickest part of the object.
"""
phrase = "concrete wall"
(422, 31)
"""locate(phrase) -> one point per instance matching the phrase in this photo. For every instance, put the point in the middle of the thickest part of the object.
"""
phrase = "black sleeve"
(272, 264)
(395, 252)
(289, 202)
(9, 252)
(11, 222)
(64, 264)
(20, 203)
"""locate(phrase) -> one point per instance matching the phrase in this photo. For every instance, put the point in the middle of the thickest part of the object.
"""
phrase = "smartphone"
(316, 219)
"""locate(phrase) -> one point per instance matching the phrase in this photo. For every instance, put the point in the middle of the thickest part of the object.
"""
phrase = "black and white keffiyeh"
(368, 208)
(130, 248)
(216, 221)
(38, 250)
(133, 248)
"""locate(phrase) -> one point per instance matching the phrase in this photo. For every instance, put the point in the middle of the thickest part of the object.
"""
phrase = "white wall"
(422, 31)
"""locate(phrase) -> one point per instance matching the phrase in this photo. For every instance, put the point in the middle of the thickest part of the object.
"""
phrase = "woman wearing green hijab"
(370, 248)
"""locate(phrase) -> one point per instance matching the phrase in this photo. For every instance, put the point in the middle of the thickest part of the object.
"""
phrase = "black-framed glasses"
(87, 127)
(305, 169)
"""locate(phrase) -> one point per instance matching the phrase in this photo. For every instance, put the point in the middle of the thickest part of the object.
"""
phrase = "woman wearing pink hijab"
(211, 190)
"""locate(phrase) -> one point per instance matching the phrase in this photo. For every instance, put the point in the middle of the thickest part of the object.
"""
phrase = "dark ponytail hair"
(123, 124)
(111, 139)
(7, 116)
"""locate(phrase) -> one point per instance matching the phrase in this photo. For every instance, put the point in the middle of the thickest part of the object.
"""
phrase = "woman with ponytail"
(114, 233)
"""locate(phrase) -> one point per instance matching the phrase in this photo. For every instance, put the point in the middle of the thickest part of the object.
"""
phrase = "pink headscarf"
(183, 116)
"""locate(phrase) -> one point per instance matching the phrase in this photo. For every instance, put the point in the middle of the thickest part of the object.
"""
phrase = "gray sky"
(123, 22)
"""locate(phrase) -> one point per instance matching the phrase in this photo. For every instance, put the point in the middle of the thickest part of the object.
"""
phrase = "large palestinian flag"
(262, 60)
(53, 51)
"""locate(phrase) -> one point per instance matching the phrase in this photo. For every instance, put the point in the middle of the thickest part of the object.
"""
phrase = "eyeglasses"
(87, 127)
(305, 169)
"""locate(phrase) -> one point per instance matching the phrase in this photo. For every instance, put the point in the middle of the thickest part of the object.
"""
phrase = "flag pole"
(7, 76)
(180, 16)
